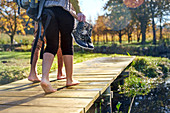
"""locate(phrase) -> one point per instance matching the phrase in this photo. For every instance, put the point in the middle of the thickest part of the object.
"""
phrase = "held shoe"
(82, 35)
(90, 44)
(79, 41)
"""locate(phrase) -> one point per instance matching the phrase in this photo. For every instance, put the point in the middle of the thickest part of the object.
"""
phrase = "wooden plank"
(47, 102)
(59, 94)
(21, 93)
(85, 88)
(35, 109)
(59, 87)
(20, 85)
(93, 83)
(96, 71)
(79, 97)
(94, 79)
(93, 76)
(82, 83)
(74, 94)
(23, 86)
(81, 79)
(17, 86)
(101, 89)
(28, 88)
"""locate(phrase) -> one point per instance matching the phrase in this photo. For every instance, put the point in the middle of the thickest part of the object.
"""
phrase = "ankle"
(33, 72)
(69, 79)
(59, 74)
(45, 79)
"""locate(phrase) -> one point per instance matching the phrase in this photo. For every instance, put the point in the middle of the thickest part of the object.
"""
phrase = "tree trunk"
(138, 37)
(94, 40)
(112, 39)
(129, 37)
(138, 33)
(143, 30)
(12, 39)
(120, 37)
(143, 23)
(106, 38)
(97, 39)
(132, 36)
(154, 32)
(160, 28)
(153, 23)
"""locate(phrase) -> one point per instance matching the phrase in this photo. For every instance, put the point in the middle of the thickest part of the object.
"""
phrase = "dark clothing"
(63, 23)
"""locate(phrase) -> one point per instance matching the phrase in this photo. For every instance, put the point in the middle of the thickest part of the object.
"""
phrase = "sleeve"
(75, 4)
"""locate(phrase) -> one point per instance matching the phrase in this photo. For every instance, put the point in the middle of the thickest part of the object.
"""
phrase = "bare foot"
(61, 76)
(72, 83)
(33, 78)
(47, 87)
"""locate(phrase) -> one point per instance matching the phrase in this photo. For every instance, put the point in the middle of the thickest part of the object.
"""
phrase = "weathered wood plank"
(47, 102)
(59, 94)
(74, 94)
(21, 93)
(35, 109)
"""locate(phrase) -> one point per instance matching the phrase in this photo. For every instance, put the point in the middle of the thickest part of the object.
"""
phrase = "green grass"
(16, 65)
(148, 43)
(24, 39)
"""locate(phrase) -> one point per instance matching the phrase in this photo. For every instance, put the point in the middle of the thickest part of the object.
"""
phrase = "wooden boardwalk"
(95, 76)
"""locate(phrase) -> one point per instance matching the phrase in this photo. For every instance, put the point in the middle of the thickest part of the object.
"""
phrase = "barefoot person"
(62, 22)
(33, 71)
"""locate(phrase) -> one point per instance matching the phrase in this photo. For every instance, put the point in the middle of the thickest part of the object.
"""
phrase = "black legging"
(63, 23)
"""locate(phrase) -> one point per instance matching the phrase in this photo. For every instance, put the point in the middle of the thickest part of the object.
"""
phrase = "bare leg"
(60, 74)
(33, 72)
(68, 61)
(46, 66)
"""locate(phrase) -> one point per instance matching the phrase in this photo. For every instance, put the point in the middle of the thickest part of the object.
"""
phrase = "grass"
(148, 43)
(16, 65)
(145, 74)
(24, 39)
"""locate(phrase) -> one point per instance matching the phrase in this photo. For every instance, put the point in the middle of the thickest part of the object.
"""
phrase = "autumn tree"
(129, 30)
(118, 17)
(99, 27)
(163, 14)
(10, 20)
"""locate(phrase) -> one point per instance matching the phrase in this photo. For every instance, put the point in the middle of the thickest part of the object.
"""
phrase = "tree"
(163, 12)
(153, 6)
(143, 16)
(99, 27)
(117, 17)
(129, 29)
(138, 31)
(10, 21)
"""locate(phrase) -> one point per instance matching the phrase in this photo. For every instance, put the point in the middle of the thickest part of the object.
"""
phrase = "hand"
(81, 17)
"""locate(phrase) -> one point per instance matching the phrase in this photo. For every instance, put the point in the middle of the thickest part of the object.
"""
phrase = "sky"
(92, 8)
